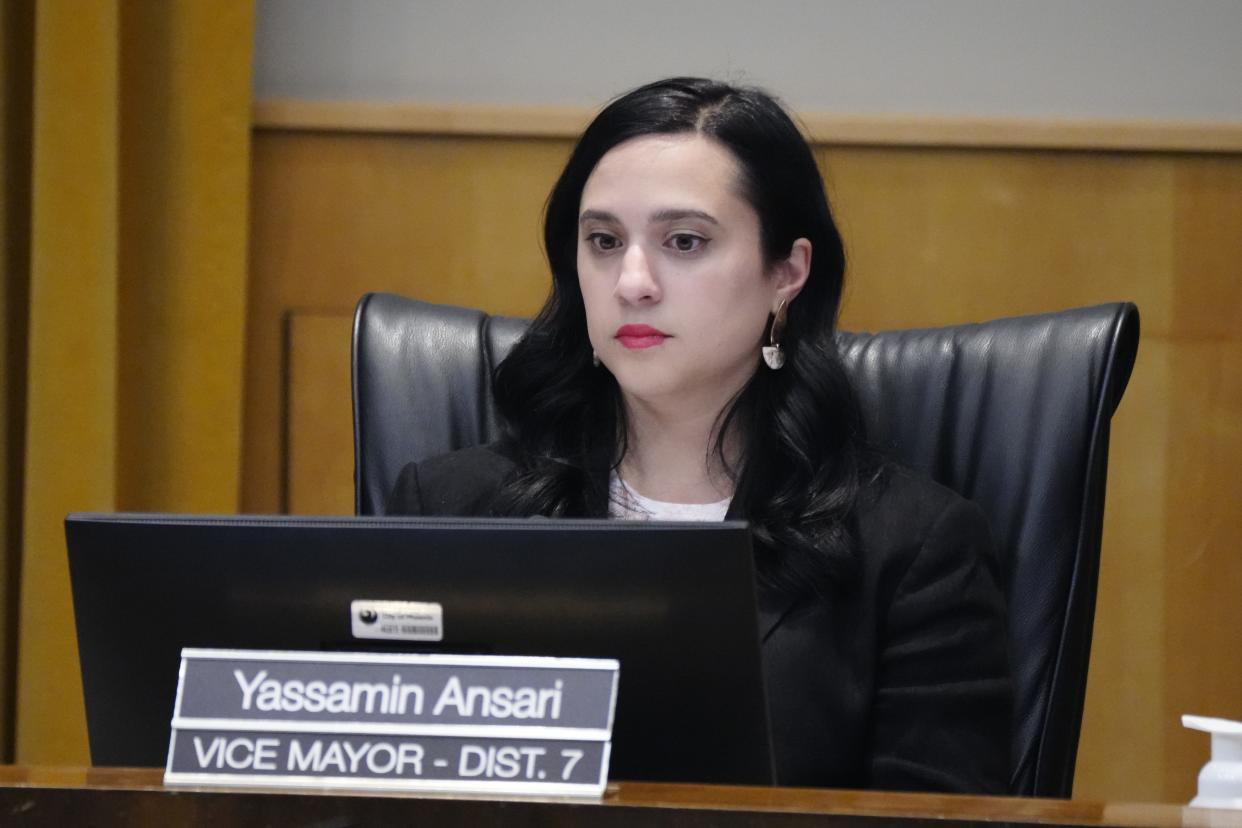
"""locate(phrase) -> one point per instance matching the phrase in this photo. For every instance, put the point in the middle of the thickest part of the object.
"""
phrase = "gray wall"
(1176, 59)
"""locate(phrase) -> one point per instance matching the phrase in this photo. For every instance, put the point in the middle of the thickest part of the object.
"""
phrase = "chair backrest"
(1013, 413)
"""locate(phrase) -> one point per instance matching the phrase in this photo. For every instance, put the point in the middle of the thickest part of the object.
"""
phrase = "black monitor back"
(673, 602)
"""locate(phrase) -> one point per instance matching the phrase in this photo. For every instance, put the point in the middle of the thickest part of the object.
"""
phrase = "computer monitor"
(673, 602)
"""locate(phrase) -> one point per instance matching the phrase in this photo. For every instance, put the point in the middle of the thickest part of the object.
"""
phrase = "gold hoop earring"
(773, 354)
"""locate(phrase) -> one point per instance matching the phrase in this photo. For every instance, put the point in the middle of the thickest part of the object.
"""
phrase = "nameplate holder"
(370, 721)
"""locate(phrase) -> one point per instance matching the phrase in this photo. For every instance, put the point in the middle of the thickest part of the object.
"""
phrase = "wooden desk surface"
(137, 796)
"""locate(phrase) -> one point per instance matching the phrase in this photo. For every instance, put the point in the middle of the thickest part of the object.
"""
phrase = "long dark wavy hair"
(799, 428)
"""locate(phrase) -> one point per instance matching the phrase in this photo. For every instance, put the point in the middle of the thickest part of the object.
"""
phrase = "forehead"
(684, 170)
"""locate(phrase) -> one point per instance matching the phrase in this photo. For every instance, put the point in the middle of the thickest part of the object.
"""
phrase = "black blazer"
(898, 681)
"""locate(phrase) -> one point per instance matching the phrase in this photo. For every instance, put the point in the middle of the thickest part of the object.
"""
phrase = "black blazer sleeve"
(941, 714)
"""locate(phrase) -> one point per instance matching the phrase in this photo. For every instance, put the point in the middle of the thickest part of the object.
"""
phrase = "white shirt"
(626, 504)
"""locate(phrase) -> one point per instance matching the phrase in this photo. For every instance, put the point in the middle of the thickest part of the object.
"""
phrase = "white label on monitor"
(397, 620)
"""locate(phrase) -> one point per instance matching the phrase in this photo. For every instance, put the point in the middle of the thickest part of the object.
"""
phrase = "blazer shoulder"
(900, 504)
(461, 483)
(911, 527)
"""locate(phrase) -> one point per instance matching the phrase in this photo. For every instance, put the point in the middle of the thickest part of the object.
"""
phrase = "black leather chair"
(1012, 413)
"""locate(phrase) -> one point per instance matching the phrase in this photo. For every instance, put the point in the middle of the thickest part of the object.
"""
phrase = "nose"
(636, 284)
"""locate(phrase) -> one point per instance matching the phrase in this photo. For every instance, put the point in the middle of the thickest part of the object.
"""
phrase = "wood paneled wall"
(935, 236)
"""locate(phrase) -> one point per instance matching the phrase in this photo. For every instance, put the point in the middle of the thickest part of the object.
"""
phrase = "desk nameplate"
(392, 721)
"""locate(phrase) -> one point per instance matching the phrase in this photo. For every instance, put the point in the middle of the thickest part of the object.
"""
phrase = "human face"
(671, 269)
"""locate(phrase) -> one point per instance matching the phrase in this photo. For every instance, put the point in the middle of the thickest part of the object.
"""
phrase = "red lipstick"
(636, 337)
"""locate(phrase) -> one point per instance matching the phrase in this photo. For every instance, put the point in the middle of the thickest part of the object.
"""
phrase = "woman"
(684, 367)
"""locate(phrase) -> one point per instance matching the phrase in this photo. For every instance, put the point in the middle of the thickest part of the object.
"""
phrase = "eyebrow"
(672, 214)
(678, 215)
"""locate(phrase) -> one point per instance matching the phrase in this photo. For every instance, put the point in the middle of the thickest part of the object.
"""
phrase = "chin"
(642, 382)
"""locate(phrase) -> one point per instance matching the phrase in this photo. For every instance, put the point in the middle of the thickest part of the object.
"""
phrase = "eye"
(686, 242)
(603, 242)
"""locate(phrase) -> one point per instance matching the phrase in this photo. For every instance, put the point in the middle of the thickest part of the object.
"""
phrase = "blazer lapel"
(772, 613)
(773, 607)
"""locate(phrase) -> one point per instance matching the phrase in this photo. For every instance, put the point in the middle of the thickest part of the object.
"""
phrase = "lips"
(636, 337)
